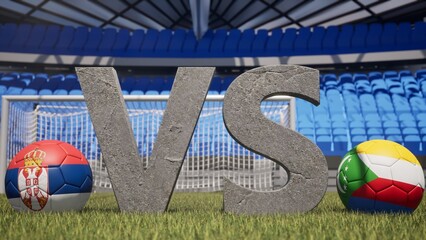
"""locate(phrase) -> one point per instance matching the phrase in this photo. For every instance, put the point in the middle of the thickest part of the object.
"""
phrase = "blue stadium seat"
(408, 123)
(167, 86)
(412, 90)
(148, 45)
(7, 32)
(390, 124)
(421, 73)
(189, 45)
(35, 38)
(120, 45)
(351, 102)
(287, 41)
(374, 116)
(348, 89)
(393, 131)
(339, 130)
(163, 42)
(358, 41)
(155, 86)
(225, 84)
(35, 85)
(27, 77)
(176, 42)
(329, 44)
(406, 79)
(324, 142)
(403, 36)
(79, 41)
(307, 131)
(418, 36)
(140, 86)
(315, 42)
(384, 103)
(420, 116)
(301, 41)
(322, 121)
(410, 131)
(378, 86)
(272, 47)
(374, 75)
(337, 103)
(388, 38)
(246, 42)
(345, 78)
(231, 43)
(218, 42)
(340, 145)
(339, 124)
(345, 38)
(93, 40)
(395, 138)
(203, 47)
(215, 85)
(64, 87)
(323, 131)
(394, 86)
(368, 104)
(64, 40)
(373, 124)
(362, 87)
(388, 117)
(375, 131)
(400, 103)
(360, 76)
(128, 85)
(374, 37)
(357, 131)
(405, 73)
(107, 42)
(50, 39)
(423, 134)
(135, 43)
(51, 85)
(75, 92)
(21, 37)
(418, 104)
(390, 74)
(259, 43)
(406, 116)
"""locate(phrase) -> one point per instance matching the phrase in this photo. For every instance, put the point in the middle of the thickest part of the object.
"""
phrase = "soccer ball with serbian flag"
(380, 176)
(48, 175)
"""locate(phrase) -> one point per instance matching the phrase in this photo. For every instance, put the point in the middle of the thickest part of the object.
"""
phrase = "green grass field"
(200, 216)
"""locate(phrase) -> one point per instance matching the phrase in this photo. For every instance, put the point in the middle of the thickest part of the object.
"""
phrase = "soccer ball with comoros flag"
(380, 176)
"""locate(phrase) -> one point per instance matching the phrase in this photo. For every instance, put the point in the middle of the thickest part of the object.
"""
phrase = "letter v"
(136, 189)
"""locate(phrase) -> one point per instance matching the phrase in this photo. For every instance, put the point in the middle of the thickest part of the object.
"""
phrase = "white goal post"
(212, 153)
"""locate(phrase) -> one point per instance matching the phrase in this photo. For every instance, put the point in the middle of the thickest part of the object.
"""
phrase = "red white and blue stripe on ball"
(48, 175)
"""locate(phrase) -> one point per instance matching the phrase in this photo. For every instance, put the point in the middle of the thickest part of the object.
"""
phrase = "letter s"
(303, 160)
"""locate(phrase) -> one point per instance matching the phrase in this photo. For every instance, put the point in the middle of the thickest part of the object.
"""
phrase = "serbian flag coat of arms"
(48, 176)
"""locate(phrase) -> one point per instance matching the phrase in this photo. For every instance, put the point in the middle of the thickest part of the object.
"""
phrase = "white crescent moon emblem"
(338, 171)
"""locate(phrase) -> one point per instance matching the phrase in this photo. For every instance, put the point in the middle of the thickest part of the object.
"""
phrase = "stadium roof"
(242, 14)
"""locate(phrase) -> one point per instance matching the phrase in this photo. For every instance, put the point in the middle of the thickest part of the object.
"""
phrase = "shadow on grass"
(100, 210)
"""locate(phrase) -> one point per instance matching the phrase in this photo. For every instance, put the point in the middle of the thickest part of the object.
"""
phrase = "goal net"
(212, 154)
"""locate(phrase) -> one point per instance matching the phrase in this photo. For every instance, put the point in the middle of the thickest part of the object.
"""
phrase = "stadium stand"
(354, 106)
(67, 40)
